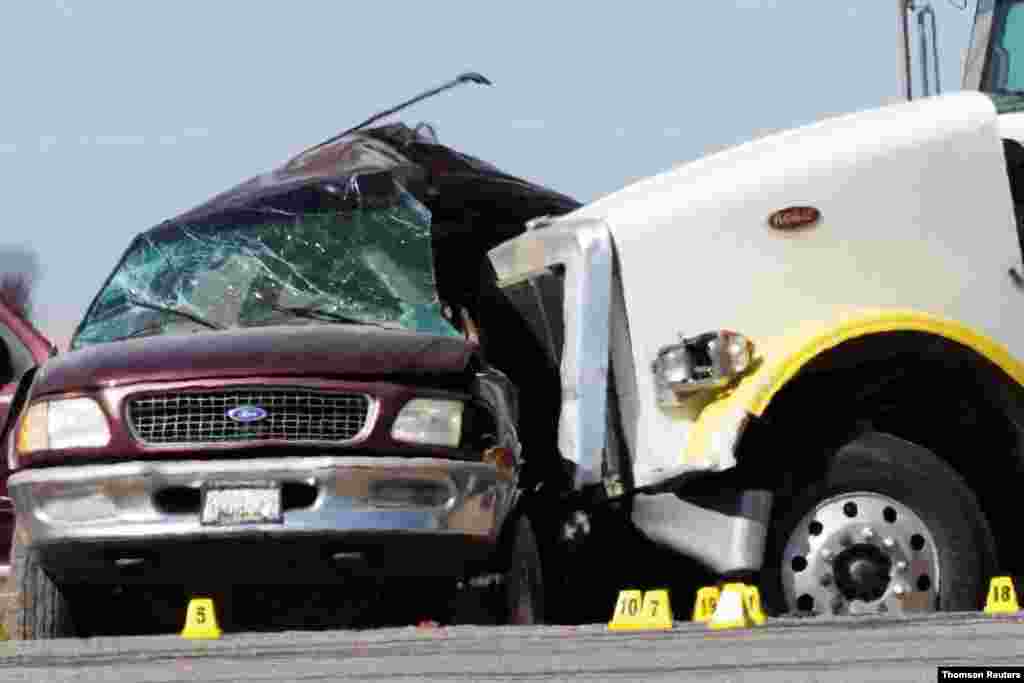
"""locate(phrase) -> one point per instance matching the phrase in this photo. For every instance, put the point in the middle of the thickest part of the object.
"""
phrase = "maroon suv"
(308, 382)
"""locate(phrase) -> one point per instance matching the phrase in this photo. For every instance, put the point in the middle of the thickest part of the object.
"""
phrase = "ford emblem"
(246, 414)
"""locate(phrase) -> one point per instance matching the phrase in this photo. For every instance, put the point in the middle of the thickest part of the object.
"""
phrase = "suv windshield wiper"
(177, 311)
(320, 313)
(141, 332)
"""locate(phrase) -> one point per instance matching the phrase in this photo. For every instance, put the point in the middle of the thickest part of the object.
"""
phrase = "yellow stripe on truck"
(780, 359)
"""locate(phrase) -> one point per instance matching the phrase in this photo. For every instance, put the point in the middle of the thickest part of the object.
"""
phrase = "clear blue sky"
(117, 115)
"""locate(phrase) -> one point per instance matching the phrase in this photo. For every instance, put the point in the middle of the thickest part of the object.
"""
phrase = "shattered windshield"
(265, 267)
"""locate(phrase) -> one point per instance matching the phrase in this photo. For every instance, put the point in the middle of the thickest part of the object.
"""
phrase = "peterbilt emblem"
(247, 414)
(794, 217)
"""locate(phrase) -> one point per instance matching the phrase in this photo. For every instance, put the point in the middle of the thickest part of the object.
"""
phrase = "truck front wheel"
(887, 528)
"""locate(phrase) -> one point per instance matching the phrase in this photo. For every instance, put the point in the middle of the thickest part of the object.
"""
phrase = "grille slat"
(299, 415)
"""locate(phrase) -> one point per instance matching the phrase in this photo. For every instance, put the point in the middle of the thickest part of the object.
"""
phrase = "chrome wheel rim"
(861, 553)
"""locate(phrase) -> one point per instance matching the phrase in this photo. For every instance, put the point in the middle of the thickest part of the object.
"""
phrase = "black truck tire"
(38, 608)
(512, 592)
(888, 524)
(524, 581)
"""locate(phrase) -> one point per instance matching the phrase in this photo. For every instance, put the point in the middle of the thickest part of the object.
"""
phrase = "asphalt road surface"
(849, 649)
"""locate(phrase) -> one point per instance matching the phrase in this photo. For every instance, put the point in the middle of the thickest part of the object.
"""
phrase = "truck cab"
(798, 362)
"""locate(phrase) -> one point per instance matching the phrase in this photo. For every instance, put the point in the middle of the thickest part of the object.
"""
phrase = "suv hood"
(307, 350)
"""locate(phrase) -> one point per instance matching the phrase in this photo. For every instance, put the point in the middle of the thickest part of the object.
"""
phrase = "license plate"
(234, 505)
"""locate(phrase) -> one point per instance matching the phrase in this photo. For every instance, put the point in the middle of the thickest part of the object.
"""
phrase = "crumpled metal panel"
(584, 248)
(450, 183)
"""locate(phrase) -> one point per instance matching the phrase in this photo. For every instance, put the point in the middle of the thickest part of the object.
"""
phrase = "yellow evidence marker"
(707, 601)
(639, 611)
(628, 610)
(732, 610)
(201, 620)
(1002, 598)
(657, 611)
(752, 603)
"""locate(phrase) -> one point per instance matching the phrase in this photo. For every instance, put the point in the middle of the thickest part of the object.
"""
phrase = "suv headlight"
(429, 421)
(63, 423)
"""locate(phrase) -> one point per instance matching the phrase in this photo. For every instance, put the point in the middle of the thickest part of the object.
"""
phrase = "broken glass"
(372, 265)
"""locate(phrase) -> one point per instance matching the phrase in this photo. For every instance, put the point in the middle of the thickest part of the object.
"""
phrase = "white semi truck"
(800, 361)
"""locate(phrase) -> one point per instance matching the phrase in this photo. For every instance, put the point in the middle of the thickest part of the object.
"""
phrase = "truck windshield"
(1004, 67)
(264, 267)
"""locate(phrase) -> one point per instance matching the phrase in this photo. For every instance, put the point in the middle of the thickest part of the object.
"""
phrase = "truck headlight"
(429, 421)
(707, 361)
(63, 423)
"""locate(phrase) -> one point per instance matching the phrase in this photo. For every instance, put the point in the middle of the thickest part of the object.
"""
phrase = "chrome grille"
(292, 415)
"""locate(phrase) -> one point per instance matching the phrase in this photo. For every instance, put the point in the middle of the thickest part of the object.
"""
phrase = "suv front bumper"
(123, 510)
